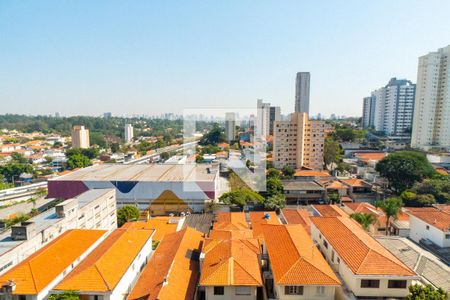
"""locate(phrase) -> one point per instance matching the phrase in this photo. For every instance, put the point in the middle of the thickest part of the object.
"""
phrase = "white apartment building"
(94, 209)
(431, 125)
(390, 109)
(262, 125)
(230, 126)
(302, 86)
(80, 137)
(299, 142)
(129, 134)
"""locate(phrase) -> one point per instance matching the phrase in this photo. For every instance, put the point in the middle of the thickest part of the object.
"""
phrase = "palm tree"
(364, 219)
(391, 207)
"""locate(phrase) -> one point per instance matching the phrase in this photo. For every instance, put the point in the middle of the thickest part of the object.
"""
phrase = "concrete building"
(368, 116)
(296, 268)
(262, 124)
(368, 269)
(275, 115)
(230, 126)
(431, 125)
(390, 109)
(110, 271)
(129, 134)
(94, 209)
(80, 137)
(34, 277)
(430, 223)
(162, 188)
(302, 83)
(299, 143)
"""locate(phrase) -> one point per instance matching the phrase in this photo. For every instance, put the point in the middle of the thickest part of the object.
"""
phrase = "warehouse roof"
(153, 172)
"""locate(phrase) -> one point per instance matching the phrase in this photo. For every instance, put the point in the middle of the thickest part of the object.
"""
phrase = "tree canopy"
(241, 197)
(364, 219)
(127, 213)
(391, 207)
(426, 292)
(66, 295)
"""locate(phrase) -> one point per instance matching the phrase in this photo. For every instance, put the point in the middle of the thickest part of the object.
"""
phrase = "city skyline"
(80, 59)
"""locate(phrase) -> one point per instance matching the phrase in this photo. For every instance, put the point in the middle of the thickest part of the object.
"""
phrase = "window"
(367, 283)
(219, 290)
(325, 244)
(447, 236)
(428, 227)
(293, 290)
(320, 290)
(243, 290)
(397, 284)
(332, 256)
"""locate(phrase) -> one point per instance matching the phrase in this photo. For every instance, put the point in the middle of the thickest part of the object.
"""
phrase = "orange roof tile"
(335, 185)
(298, 216)
(37, 271)
(161, 226)
(329, 211)
(437, 216)
(102, 270)
(442, 171)
(355, 182)
(311, 173)
(360, 252)
(171, 273)
(294, 258)
(368, 156)
(258, 219)
(231, 262)
(230, 234)
(231, 221)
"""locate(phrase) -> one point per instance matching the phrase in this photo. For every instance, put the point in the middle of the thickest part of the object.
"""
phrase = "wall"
(418, 231)
(309, 293)
(229, 294)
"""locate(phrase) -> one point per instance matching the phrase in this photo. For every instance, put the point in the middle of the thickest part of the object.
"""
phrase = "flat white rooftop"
(152, 172)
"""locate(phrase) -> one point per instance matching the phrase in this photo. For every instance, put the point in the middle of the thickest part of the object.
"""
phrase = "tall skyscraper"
(262, 125)
(230, 126)
(390, 109)
(275, 115)
(299, 142)
(431, 122)
(129, 134)
(302, 83)
(80, 137)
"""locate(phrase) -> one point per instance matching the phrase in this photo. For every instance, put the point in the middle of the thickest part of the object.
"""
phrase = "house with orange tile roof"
(162, 225)
(259, 219)
(231, 221)
(367, 268)
(297, 216)
(231, 269)
(430, 223)
(110, 270)
(298, 269)
(35, 276)
(311, 175)
(173, 270)
(325, 210)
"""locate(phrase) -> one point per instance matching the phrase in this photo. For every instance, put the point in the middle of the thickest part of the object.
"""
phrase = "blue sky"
(150, 57)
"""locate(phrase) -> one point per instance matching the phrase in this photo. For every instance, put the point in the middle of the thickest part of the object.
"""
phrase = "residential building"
(367, 268)
(297, 217)
(431, 125)
(299, 143)
(261, 218)
(80, 137)
(35, 276)
(112, 268)
(303, 192)
(326, 210)
(162, 188)
(129, 133)
(390, 109)
(231, 221)
(275, 115)
(262, 124)
(297, 268)
(430, 224)
(368, 116)
(230, 126)
(302, 83)
(231, 269)
(173, 270)
(94, 209)
(162, 225)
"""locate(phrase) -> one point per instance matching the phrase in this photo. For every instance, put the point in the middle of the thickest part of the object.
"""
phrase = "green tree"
(214, 136)
(18, 158)
(404, 168)
(275, 202)
(12, 170)
(115, 147)
(364, 219)
(391, 208)
(165, 155)
(288, 171)
(241, 197)
(332, 152)
(65, 295)
(273, 173)
(426, 292)
(274, 186)
(78, 161)
(127, 213)
(334, 197)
